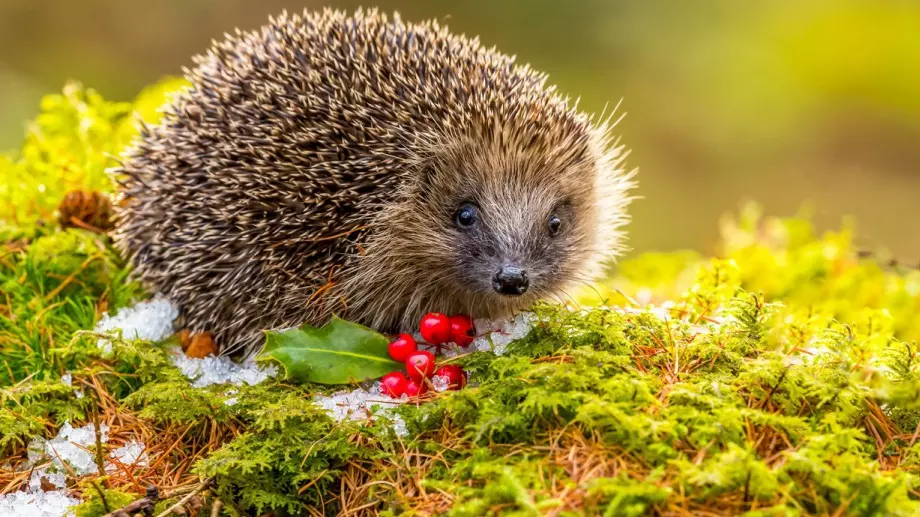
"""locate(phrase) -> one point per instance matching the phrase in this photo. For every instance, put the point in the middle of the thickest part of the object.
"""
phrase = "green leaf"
(339, 352)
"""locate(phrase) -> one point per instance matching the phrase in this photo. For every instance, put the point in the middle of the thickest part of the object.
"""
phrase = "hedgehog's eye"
(466, 216)
(554, 224)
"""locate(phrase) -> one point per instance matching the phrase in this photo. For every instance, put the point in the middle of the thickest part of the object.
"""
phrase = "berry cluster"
(436, 329)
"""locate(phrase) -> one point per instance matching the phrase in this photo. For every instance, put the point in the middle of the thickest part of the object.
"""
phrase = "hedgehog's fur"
(314, 166)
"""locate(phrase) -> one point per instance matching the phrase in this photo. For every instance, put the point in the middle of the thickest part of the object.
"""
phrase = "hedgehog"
(356, 165)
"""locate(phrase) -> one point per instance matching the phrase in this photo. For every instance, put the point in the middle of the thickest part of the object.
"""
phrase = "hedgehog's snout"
(510, 281)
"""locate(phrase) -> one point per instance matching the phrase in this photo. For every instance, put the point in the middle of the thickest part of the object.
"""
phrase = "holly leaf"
(339, 352)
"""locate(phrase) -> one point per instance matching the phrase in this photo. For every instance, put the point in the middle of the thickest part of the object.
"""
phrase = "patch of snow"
(507, 331)
(151, 320)
(54, 478)
(71, 445)
(133, 453)
(440, 383)
(35, 450)
(222, 370)
(359, 404)
(399, 425)
(55, 503)
(231, 400)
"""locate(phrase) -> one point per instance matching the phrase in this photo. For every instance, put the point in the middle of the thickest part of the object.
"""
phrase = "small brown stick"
(84, 225)
(215, 510)
(201, 486)
(100, 462)
(312, 482)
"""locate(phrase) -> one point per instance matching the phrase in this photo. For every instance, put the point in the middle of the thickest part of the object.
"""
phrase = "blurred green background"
(789, 103)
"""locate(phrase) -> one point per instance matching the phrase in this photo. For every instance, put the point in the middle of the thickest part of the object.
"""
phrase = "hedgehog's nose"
(510, 280)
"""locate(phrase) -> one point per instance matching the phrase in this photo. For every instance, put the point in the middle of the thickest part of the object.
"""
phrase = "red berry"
(435, 328)
(456, 379)
(416, 387)
(462, 330)
(393, 384)
(402, 346)
(420, 364)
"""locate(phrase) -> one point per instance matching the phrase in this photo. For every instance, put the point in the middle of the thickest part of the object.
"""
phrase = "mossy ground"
(785, 380)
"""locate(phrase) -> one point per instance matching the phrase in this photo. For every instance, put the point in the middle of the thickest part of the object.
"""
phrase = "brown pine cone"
(88, 210)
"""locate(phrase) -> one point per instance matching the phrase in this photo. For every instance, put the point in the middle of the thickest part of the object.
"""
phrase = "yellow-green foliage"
(69, 146)
(785, 381)
(783, 259)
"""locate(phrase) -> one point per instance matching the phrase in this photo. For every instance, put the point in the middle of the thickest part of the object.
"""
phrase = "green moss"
(290, 444)
(93, 505)
(784, 382)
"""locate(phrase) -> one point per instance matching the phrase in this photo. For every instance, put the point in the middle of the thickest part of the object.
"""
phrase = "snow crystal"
(222, 370)
(37, 504)
(358, 404)
(36, 450)
(231, 400)
(132, 453)
(506, 332)
(71, 445)
(56, 479)
(440, 383)
(399, 425)
(67, 380)
(151, 320)
(75, 447)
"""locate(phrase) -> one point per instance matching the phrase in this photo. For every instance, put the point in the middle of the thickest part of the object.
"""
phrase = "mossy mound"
(782, 377)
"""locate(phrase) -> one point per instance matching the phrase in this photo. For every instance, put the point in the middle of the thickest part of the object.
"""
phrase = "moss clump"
(778, 378)
(101, 501)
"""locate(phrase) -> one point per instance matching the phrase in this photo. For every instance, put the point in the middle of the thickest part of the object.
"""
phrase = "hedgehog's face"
(514, 245)
(505, 225)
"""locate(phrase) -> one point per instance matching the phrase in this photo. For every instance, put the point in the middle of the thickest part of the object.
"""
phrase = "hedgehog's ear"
(429, 170)
(423, 177)
(434, 186)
